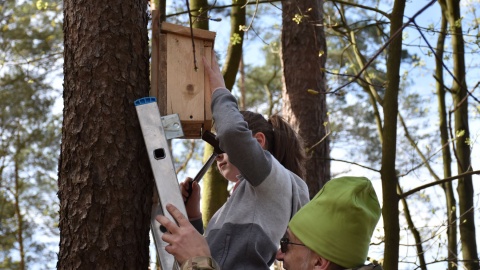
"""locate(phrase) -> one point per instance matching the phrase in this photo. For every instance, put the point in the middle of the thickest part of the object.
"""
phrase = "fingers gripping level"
(153, 130)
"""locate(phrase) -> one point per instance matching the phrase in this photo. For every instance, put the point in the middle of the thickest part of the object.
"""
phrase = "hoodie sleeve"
(237, 140)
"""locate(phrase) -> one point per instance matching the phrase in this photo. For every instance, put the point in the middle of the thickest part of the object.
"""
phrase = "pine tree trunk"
(303, 60)
(105, 180)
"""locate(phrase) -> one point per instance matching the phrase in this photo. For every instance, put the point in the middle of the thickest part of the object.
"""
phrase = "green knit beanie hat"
(338, 223)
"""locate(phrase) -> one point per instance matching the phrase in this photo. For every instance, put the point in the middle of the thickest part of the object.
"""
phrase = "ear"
(260, 139)
(321, 263)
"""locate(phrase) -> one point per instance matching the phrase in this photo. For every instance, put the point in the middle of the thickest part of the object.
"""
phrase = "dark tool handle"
(201, 173)
(205, 167)
(209, 137)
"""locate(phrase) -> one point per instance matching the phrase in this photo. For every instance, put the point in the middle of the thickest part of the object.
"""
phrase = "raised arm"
(233, 133)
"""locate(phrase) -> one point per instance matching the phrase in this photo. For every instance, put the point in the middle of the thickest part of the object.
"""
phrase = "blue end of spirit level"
(145, 100)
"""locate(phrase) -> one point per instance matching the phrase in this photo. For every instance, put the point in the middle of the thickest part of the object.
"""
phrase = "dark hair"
(281, 140)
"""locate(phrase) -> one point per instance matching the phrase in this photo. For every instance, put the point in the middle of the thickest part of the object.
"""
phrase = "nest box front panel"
(185, 83)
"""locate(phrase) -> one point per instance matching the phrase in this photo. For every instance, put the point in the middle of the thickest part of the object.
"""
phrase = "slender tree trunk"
(214, 192)
(199, 10)
(105, 180)
(303, 59)
(415, 232)
(388, 173)
(235, 46)
(446, 154)
(241, 86)
(463, 152)
(21, 248)
(374, 97)
(460, 100)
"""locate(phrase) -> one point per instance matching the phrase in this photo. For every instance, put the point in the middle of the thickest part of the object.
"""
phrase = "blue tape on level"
(145, 100)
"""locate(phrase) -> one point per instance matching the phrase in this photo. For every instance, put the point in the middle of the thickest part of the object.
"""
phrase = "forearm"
(237, 140)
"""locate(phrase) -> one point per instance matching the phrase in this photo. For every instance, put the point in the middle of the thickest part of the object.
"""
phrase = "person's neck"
(236, 185)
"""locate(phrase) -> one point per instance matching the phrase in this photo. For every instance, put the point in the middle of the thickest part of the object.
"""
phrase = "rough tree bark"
(303, 59)
(105, 181)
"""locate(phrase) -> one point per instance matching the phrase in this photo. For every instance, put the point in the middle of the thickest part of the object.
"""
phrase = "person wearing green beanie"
(333, 230)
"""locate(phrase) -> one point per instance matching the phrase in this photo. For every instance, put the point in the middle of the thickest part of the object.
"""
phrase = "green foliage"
(458, 23)
(235, 39)
(298, 18)
(30, 53)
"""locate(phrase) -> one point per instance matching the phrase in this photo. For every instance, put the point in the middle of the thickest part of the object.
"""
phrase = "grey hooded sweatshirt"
(245, 232)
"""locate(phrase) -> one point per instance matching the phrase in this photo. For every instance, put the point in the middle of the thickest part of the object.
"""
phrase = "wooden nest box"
(178, 81)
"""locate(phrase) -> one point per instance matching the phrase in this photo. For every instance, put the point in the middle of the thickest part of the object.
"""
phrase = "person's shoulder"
(300, 182)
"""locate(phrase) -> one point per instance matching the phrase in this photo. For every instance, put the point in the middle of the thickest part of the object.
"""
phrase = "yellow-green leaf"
(41, 5)
(458, 23)
(235, 39)
(312, 92)
(468, 141)
(298, 18)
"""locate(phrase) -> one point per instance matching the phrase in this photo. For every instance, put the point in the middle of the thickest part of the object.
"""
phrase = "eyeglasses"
(284, 242)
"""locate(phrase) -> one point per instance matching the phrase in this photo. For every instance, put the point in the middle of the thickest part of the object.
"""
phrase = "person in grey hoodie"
(264, 159)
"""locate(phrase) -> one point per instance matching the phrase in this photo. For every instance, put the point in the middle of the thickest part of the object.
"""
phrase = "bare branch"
(445, 67)
(410, 192)
(386, 44)
(188, 157)
(361, 6)
(354, 163)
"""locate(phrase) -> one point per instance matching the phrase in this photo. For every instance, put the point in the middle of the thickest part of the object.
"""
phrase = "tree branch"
(361, 6)
(353, 163)
(386, 44)
(410, 192)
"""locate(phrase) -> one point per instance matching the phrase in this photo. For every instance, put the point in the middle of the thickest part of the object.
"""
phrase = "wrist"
(195, 216)
(200, 263)
(219, 88)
